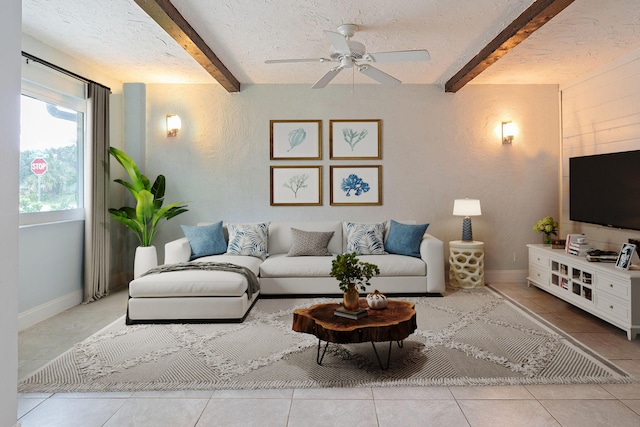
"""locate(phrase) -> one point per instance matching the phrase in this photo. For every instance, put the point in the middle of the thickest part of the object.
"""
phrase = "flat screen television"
(604, 189)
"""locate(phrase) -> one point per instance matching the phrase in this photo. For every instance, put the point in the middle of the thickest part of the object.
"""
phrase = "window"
(52, 134)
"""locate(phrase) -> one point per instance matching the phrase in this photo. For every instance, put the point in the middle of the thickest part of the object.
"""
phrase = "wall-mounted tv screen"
(604, 189)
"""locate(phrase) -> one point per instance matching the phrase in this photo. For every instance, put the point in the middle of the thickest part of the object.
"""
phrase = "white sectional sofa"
(222, 296)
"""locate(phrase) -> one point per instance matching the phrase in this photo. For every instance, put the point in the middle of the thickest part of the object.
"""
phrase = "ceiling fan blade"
(327, 78)
(398, 56)
(379, 76)
(339, 42)
(286, 61)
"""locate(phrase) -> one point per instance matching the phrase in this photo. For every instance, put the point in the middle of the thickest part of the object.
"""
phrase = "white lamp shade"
(508, 129)
(466, 207)
(173, 122)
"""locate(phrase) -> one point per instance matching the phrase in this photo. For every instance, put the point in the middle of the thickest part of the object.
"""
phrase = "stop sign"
(39, 166)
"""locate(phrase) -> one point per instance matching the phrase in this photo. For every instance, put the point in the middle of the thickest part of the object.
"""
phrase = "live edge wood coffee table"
(394, 323)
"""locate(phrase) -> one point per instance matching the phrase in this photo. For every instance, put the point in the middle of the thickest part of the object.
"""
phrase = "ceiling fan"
(352, 54)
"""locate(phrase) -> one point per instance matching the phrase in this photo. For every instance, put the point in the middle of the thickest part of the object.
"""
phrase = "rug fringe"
(269, 385)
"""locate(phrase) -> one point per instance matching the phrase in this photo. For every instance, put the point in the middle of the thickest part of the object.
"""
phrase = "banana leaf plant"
(145, 218)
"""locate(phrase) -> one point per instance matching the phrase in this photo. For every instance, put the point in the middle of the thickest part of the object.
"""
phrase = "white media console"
(602, 289)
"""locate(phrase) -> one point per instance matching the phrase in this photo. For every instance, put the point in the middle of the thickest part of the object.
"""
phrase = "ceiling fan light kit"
(352, 54)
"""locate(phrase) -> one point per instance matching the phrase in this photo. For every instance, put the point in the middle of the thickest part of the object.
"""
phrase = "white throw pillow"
(248, 239)
(365, 239)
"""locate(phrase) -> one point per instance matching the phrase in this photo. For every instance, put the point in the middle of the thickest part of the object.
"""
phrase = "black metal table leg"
(384, 368)
(318, 357)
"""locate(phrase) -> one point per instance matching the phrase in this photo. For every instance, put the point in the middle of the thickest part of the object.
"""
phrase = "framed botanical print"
(296, 185)
(355, 139)
(356, 185)
(296, 139)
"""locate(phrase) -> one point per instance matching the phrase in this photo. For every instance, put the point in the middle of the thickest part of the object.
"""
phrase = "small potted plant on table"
(548, 226)
(352, 274)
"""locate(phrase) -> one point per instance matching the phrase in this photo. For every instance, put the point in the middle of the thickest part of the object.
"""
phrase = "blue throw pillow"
(404, 239)
(205, 240)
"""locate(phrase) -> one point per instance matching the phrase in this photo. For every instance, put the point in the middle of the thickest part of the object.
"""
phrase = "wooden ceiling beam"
(168, 17)
(536, 15)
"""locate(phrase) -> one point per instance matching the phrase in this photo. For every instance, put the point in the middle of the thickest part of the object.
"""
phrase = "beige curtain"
(97, 241)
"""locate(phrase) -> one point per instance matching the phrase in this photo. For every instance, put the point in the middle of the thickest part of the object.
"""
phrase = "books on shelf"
(349, 314)
(577, 245)
(602, 258)
(579, 249)
(576, 238)
(596, 255)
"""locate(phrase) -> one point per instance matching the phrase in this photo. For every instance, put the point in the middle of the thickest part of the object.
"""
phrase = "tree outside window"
(56, 135)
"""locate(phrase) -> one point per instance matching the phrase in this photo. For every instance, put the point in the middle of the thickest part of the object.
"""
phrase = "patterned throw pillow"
(205, 240)
(365, 239)
(248, 239)
(405, 239)
(309, 243)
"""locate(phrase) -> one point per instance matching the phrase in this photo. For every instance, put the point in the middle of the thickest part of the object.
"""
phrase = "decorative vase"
(547, 239)
(376, 300)
(146, 258)
(351, 299)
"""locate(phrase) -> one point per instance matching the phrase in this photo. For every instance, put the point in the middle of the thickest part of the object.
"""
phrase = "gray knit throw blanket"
(252, 280)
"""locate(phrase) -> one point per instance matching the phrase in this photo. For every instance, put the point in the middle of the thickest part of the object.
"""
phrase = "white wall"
(600, 114)
(51, 261)
(436, 147)
(10, 20)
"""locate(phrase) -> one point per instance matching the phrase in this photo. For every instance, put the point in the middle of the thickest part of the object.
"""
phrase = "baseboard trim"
(501, 276)
(48, 309)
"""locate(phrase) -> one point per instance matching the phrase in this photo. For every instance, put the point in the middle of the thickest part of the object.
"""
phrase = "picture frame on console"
(355, 139)
(626, 253)
(295, 139)
(296, 185)
(355, 185)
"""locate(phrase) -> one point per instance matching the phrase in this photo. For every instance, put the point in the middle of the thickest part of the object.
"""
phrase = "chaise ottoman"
(192, 296)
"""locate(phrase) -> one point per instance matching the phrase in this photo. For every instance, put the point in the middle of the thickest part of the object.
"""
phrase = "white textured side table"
(466, 264)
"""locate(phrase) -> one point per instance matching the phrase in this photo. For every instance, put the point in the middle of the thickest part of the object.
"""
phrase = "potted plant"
(145, 218)
(548, 226)
(352, 274)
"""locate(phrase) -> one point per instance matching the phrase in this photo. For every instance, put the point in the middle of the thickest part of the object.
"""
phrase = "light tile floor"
(535, 405)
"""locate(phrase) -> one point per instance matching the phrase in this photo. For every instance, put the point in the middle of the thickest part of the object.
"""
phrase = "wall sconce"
(508, 132)
(173, 124)
(466, 208)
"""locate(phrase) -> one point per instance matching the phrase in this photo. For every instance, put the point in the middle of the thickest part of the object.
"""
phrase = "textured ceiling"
(119, 38)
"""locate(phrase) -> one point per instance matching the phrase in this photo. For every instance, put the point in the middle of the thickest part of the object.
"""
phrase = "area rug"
(468, 337)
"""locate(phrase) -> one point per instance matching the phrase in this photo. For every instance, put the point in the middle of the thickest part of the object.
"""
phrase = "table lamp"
(466, 208)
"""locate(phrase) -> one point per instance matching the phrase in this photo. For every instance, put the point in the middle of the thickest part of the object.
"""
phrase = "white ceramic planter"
(145, 259)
